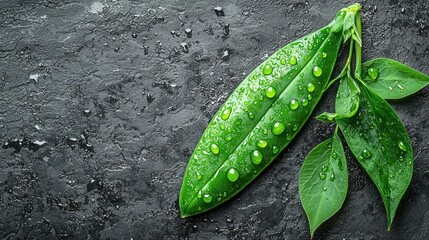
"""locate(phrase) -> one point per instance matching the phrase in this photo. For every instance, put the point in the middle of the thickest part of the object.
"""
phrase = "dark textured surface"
(101, 106)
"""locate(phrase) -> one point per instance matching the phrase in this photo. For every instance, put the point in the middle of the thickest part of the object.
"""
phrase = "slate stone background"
(101, 106)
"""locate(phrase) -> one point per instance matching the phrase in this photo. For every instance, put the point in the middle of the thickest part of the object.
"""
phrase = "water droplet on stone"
(134, 35)
(232, 175)
(278, 128)
(270, 92)
(219, 11)
(256, 157)
(373, 73)
(293, 60)
(267, 70)
(310, 87)
(226, 113)
(214, 149)
(317, 71)
(262, 143)
(207, 198)
(294, 104)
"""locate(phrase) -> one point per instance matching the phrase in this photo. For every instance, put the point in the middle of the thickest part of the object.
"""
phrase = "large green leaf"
(379, 141)
(323, 181)
(392, 79)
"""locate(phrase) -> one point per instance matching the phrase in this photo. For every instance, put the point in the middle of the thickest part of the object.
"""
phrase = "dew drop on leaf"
(283, 61)
(251, 115)
(232, 175)
(324, 55)
(325, 188)
(267, 70)
(256, 157)
(332, 178)
(262, 143)
(322, 176)
(373, 73)
(199, 195)
(214, 149)
(317, 71)
(366, 153)
(199, 176)
(275, 149)
(207, 198)
(402, 146)
(293, 60)
(334, 155)
(270, 92)
(225, 114)
(311, 87)
(324, 168)
(294, 104)
(278, 128)
(304, 102)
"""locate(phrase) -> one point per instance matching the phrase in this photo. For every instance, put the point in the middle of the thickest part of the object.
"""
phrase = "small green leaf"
(323, 182)
(379, 141)
(394, 79)
(347, 101)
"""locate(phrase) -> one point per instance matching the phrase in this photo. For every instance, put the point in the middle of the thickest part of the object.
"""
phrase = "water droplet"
(310, 87)
(309, 97)
(402, 146)
(199, 195)
(325, 188)
(275, 149)
(329, 145)
(270, 92)
(232, 175)
(265, 131)
(332, 178)
(278, 128)
(267, 70)
(256, 157)
(401, 158)
(226, 113)
(322, 176)
(317, 71)
(295, 127)
(300, 87)
(251, 115)
(310, 46)
(304, 102)
(199, 176)
(383, 148)
(324, 55)
(293, 60)
(366, 153)
(228, 137)
(207, 198)
(262, 143)
(334, 155)
(214, 149)
(324, 168)
(294, 104)
(373, 73)
(237, 122)
(283, 61)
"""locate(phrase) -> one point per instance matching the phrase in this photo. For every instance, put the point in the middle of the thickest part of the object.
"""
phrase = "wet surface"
(102, 103)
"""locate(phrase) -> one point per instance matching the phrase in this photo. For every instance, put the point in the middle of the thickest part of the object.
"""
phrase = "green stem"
(346, 69)
(358, 48)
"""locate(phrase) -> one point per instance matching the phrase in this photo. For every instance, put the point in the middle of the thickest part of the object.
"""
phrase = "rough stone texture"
(101, 105)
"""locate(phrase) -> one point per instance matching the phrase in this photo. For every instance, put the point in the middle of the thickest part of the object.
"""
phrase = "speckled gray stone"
(119, 106)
